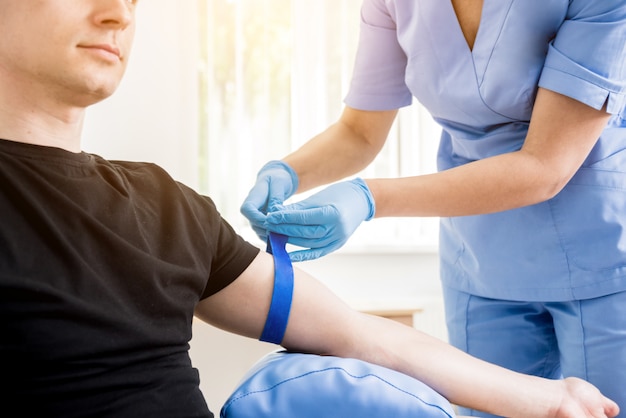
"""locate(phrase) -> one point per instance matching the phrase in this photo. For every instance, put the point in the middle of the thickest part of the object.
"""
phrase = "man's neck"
(39, 120)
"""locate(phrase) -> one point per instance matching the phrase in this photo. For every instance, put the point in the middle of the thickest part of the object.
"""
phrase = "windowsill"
(354, 248)
(386, 249)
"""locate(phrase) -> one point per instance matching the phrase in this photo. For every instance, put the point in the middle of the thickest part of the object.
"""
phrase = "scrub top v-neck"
(483, 98)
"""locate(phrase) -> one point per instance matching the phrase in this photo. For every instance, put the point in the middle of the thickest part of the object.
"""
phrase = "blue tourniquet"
(280, 307)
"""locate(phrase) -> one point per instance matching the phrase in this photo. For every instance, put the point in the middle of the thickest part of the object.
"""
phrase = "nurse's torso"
(572, 246)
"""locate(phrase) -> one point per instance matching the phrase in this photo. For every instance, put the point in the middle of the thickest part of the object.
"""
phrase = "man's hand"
(583, 400)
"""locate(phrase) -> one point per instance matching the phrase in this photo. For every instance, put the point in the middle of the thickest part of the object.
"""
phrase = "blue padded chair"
(295, 385)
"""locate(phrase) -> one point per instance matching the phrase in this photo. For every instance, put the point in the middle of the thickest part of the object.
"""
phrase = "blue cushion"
(296, 385)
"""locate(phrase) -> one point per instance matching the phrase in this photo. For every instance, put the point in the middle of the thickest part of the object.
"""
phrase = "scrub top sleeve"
(379, 69)
(587, 58)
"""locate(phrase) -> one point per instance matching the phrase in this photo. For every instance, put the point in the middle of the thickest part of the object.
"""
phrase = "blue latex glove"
(323, 222)
(275, 183)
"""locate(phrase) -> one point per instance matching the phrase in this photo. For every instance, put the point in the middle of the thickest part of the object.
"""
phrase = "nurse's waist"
(469, 145)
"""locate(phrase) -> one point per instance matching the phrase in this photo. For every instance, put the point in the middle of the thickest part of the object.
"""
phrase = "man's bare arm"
(321, 323)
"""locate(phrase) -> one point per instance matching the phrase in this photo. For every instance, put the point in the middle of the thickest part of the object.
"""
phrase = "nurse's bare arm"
(344, 148)
(321, 323)
(561, 134)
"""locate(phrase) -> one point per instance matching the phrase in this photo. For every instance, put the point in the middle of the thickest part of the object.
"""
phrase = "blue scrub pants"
(581, 338)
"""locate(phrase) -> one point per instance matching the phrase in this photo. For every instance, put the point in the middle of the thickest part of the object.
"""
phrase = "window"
(273, 73)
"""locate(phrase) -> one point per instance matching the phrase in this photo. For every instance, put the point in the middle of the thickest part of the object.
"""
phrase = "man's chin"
(96, 95)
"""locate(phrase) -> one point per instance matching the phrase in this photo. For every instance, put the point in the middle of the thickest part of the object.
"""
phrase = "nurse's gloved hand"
(275, 183)
(324, 221)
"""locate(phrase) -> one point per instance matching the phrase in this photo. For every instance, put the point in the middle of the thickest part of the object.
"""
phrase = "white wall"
(153, 117)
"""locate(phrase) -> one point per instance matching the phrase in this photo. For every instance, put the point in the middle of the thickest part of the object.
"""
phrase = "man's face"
(73, 51)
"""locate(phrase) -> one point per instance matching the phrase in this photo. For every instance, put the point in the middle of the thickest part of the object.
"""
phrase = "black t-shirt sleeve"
(233, 255)
(228, 253)
(192, 223)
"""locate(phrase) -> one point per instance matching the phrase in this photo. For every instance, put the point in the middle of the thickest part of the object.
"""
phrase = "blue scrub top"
(570, 247)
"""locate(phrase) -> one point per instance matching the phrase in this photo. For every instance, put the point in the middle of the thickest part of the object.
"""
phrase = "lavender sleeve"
(378, 80)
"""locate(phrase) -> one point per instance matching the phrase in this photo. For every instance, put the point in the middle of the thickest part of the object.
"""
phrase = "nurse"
(531, 181)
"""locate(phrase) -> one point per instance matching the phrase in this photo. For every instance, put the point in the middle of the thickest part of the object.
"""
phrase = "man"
(104, 263)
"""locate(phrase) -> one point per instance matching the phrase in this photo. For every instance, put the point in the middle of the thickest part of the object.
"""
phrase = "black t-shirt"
(101, 266)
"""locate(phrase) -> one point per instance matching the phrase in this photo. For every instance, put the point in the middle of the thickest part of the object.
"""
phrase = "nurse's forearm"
(343, 149)
(561, 134)
(328, 157)
(480, 187)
